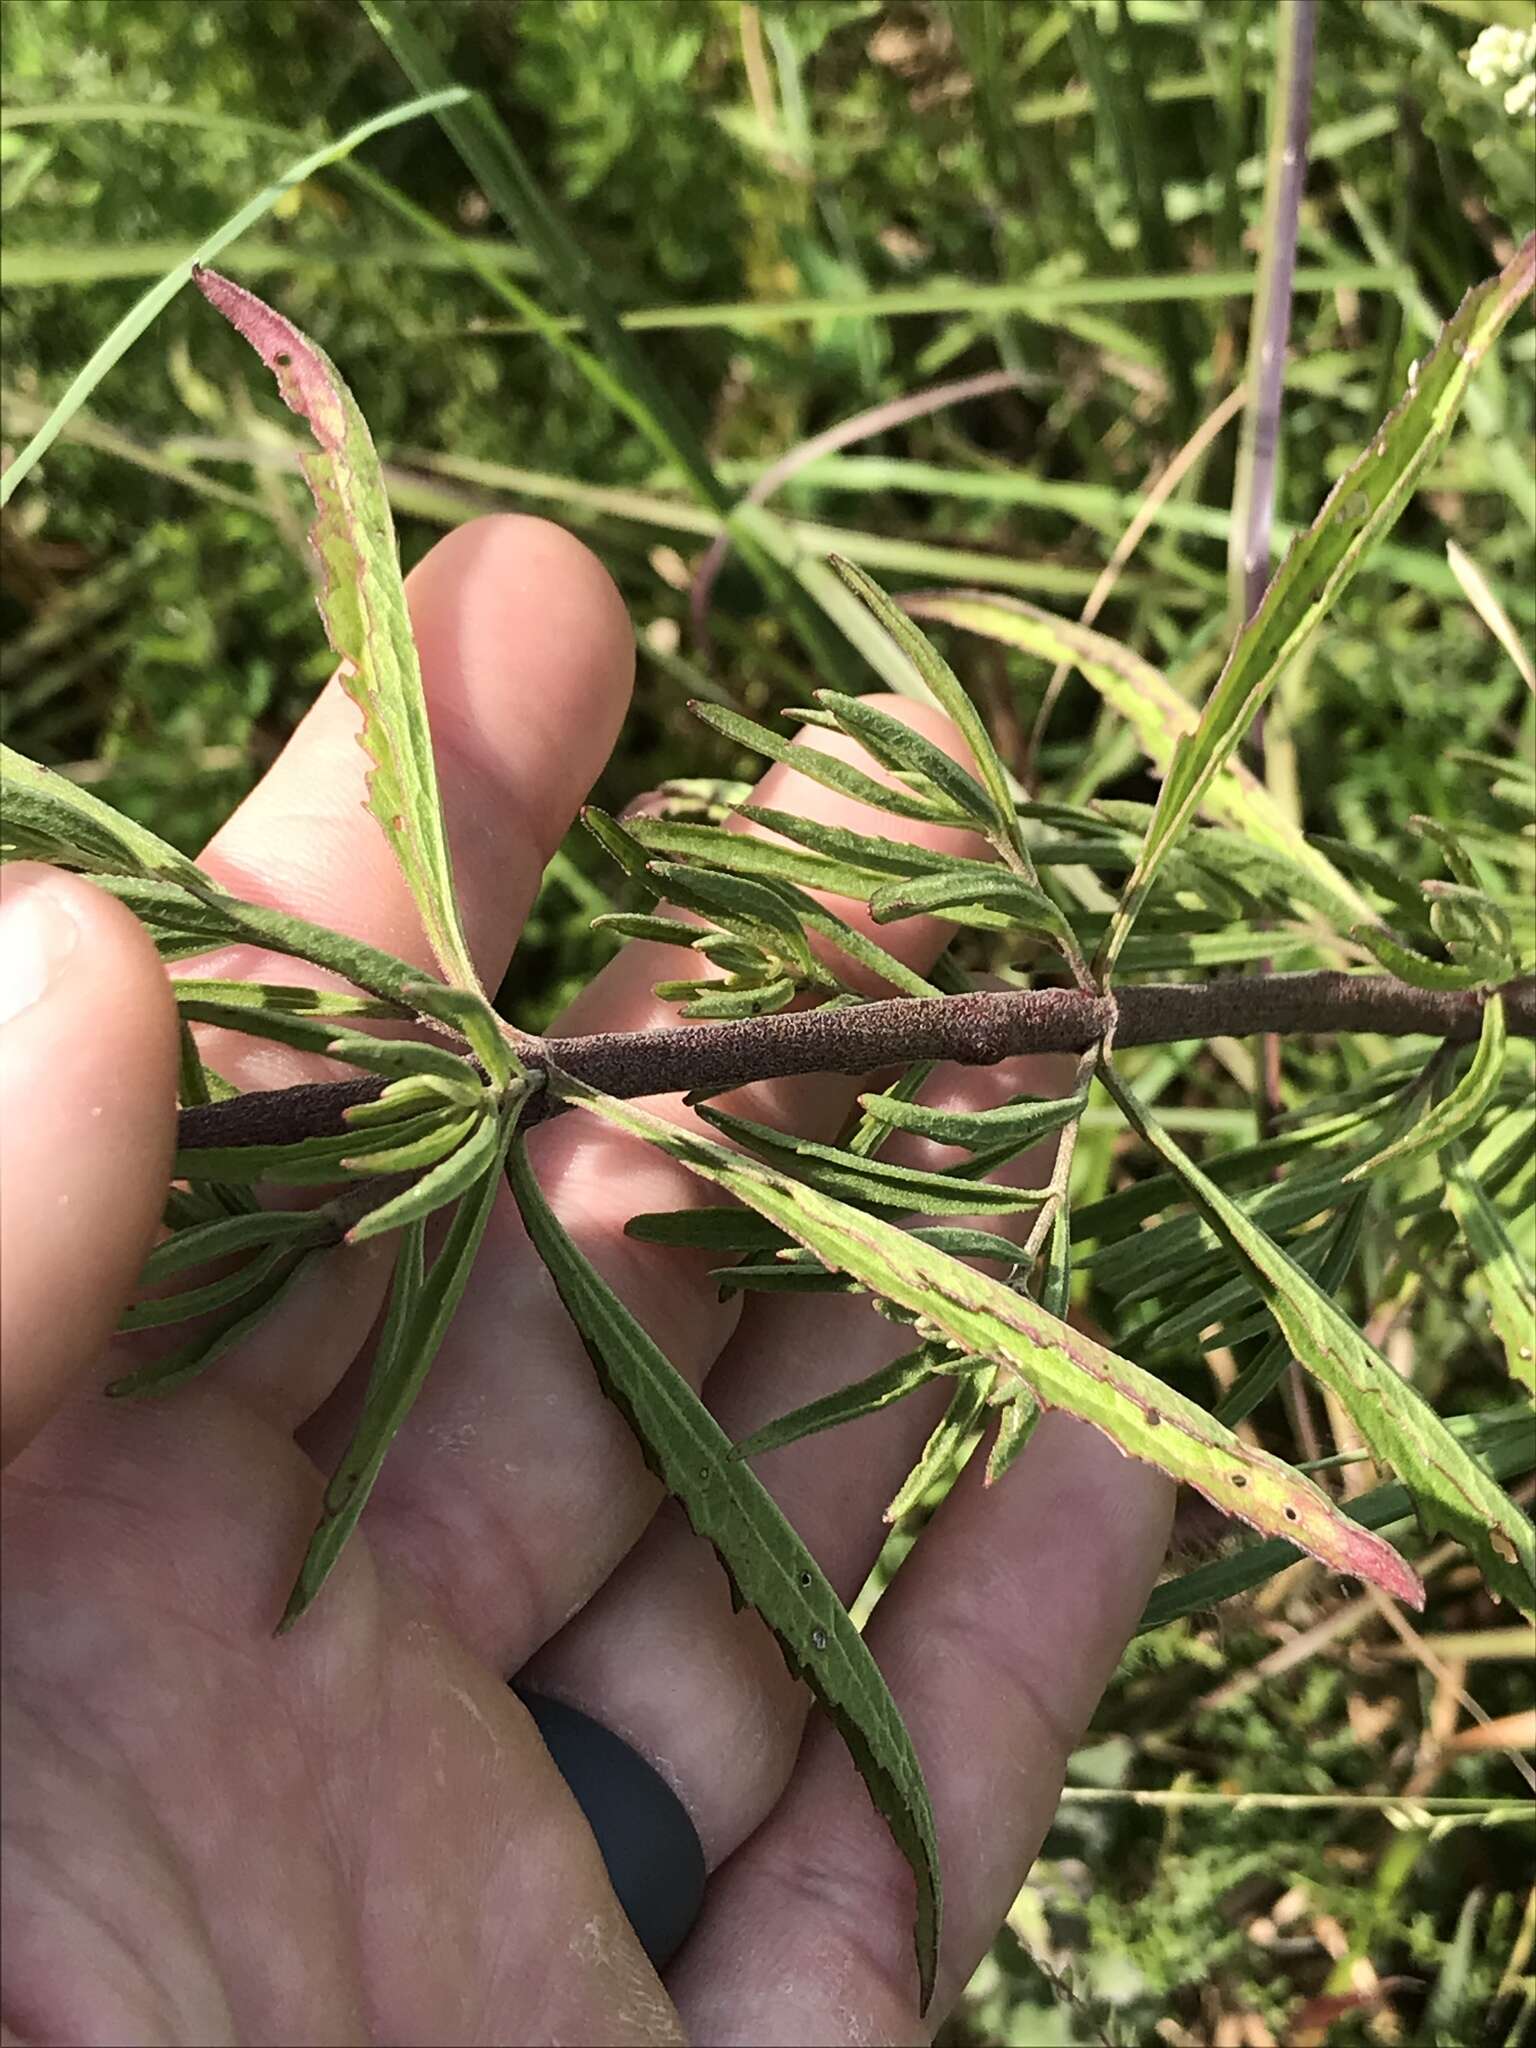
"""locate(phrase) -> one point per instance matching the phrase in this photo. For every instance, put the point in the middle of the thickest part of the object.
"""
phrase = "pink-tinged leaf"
(1450, 1489)
(1062, 1367)
(362, 602)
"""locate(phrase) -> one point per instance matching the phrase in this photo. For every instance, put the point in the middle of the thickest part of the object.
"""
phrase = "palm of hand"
(354, 1832)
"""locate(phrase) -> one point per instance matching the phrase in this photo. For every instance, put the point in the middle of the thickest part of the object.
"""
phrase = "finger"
(660, 1654)
(516, 1488)
(87, 1127)
(527, 660)
(997, 1637)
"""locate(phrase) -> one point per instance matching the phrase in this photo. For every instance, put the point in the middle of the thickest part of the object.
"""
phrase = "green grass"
(794, 214)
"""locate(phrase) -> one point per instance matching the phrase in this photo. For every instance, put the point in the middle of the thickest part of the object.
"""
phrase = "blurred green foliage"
(160, 639)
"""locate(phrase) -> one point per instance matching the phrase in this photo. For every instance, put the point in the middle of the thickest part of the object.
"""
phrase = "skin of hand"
(353, 1833)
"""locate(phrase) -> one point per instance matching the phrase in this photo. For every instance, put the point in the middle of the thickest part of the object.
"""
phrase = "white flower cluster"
(1507, 53)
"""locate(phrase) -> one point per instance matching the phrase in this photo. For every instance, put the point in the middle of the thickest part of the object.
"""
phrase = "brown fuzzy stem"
(972, 1030)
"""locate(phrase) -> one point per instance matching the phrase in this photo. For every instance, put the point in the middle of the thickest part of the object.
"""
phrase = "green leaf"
(1393, 1417)
(445, 1182)
(45, 816)
(1061, 1366)
(756, 1000)
(710, 1230)
(1410, 966)
(200, 1243)
(939, 1457)
(662, 931)
(948, 693)
(1461, 1109)
(1021, 1122)
(404, 1057)
(1504, 1271)
(398, 1147)
(362, 601)
(768, 1564)
(827, 769)
(227, 1330)
(1153, 709)
(864, 849)
(905, 751)
(422, 1305)
(1015, 1426)
(1504, 1445)
(876, 1181)
(858, 947)
(467, 1011)
(754, 910)
(892, 1382)
(1010, 894)
(290, 999)
(183, 920)
(1362, 508)
(160, 1310)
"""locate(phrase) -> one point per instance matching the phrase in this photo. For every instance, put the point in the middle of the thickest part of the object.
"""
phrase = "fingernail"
(38, 933)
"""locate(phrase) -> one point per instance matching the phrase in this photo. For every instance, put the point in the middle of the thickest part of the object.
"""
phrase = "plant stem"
(972, 1030)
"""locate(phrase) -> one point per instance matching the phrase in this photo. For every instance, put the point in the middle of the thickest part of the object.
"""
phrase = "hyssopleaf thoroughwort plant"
(1111, 926)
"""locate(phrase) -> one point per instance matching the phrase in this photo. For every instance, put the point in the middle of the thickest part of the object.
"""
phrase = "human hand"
(354, 1833)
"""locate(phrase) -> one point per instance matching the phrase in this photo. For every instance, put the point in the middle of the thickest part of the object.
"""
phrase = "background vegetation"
(815, 209)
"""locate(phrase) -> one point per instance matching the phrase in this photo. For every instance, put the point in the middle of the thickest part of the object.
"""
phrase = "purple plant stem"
(1297, 23)
(972, 1030)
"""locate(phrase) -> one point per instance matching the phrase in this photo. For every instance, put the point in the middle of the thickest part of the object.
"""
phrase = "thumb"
(88, 1052)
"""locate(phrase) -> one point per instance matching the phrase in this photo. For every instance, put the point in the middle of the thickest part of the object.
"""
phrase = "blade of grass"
(144, 311)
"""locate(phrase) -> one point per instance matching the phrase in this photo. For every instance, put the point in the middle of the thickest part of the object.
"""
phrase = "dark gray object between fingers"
(651, 1848)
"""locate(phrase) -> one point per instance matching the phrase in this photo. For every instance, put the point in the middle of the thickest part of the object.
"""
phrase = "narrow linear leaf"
(195, 922)
(710, 1230)
(757, 1001)
(204, 1242)
(1408, 965)
(738, 854)
(404, 1057)
(440, 1184)
(227, 1330)
(1393, 1417)
(422, 1306)
(661, 931)
(1010, 894)
(1020, 1123)
(410, 1096)
(827, 769)
(1503, 1270)
(1461, 1109)
(768, 1564)
(877, 1181)
(878, 1390)
(468, 1012)
(939, 1457)
(1061, 1366)
(289, 999)
(313, 1161)
(948, 692)
(45, 816)
(1153, 709)
(905, 751)
(1015, 1426)
(1361, 509)
(159, 1311)
(363, 604)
